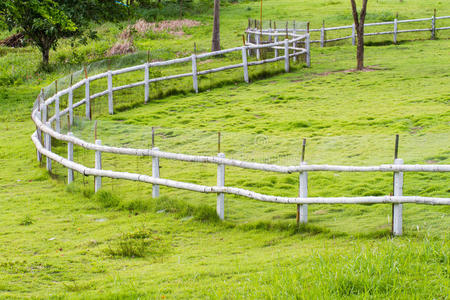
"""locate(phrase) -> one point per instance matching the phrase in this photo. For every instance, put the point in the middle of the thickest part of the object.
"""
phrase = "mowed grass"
(60, 241)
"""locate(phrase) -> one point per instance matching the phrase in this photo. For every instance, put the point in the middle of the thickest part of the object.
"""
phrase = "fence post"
(155, 174)
(39, 132)
(110, 93)
(48, 146)
(397, 209)
(221, 183)
(258, 51)
(433, 26)
(58, 118)
(322, 35)
(87, 98)
(70, 104)
(98, 166)
(70, 176)
(194, 72)
(294, 44)
(147, 87)
(353, 34)
(308, 50)
(303, 193)
(286, 55)
(395, 31)
(245, 63)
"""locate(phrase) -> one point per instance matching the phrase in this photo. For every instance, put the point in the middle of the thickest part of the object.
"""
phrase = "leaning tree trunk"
(216, 27)
(359, 25)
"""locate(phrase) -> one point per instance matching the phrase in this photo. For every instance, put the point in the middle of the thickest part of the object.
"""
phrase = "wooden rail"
(42, 139)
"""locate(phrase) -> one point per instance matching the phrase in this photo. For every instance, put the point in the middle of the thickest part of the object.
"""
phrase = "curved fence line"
(255, 29)
(45, 132)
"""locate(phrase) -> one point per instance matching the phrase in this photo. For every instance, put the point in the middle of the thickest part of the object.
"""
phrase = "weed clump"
(26, 221)
(181, 209)
(139, 243)
(107, 199)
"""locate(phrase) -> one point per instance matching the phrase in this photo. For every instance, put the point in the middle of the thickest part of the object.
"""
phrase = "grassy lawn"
(60, 241)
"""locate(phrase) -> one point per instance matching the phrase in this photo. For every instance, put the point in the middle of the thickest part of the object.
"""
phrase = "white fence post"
(194, 73)
(353, 34)
(276, 41)
(308, 50)
(87, 97)
(395, 30)
(155, 174)
(303, 193)
(58, 118)
(397, 210)
(286, 55)
(147, 87)
(258, 51)
(70, 176)
(110, 94)
(70, 104)
(245, 64)
(98, 166)
(221, 183)
(249, 36)
(39, 132)
(48, 146)
(294, 44)
(322, 35)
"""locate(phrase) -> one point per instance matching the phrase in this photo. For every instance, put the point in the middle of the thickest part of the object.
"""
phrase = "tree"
(216, 27)
(359, 26)
(44, 22)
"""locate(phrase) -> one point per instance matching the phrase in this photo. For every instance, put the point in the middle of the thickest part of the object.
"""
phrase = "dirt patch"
(14, 41)
(367, 69)
(174, 27)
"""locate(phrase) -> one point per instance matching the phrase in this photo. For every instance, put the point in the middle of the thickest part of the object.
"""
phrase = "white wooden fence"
(396, 24)
(42, 138)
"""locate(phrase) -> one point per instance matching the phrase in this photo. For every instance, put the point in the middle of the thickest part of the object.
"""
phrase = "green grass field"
(60, 241)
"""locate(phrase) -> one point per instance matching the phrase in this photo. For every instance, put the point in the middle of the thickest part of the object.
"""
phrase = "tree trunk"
(359, 25)
(45, 55)
(360, 48)
(216, 27)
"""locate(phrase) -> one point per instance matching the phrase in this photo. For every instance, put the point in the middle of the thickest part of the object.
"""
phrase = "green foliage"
(26, 221)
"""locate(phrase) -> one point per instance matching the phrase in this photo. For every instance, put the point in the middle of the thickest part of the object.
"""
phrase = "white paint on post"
(87, 97)
(70, 176)
(294, 44)
(110, 94)
(194, 73)
(258, 51)
(303, 193)
(48, 147)
(397, 218)
(39, 134)
(353, 34)
(57, 115)
(147, 85)
(395, 30)
(221, 183)
(308, 50)
(322, 35)
(70, 104)
(155, 174)
(245, 64)
(276, 41)
(286, 55)
(249, 36)
(98, 166)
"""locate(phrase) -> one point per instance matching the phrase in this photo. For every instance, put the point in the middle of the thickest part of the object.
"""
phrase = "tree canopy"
(44, 22)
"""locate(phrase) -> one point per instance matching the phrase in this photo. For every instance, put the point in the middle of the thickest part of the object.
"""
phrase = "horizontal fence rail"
(257, 31)
(49, 127)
